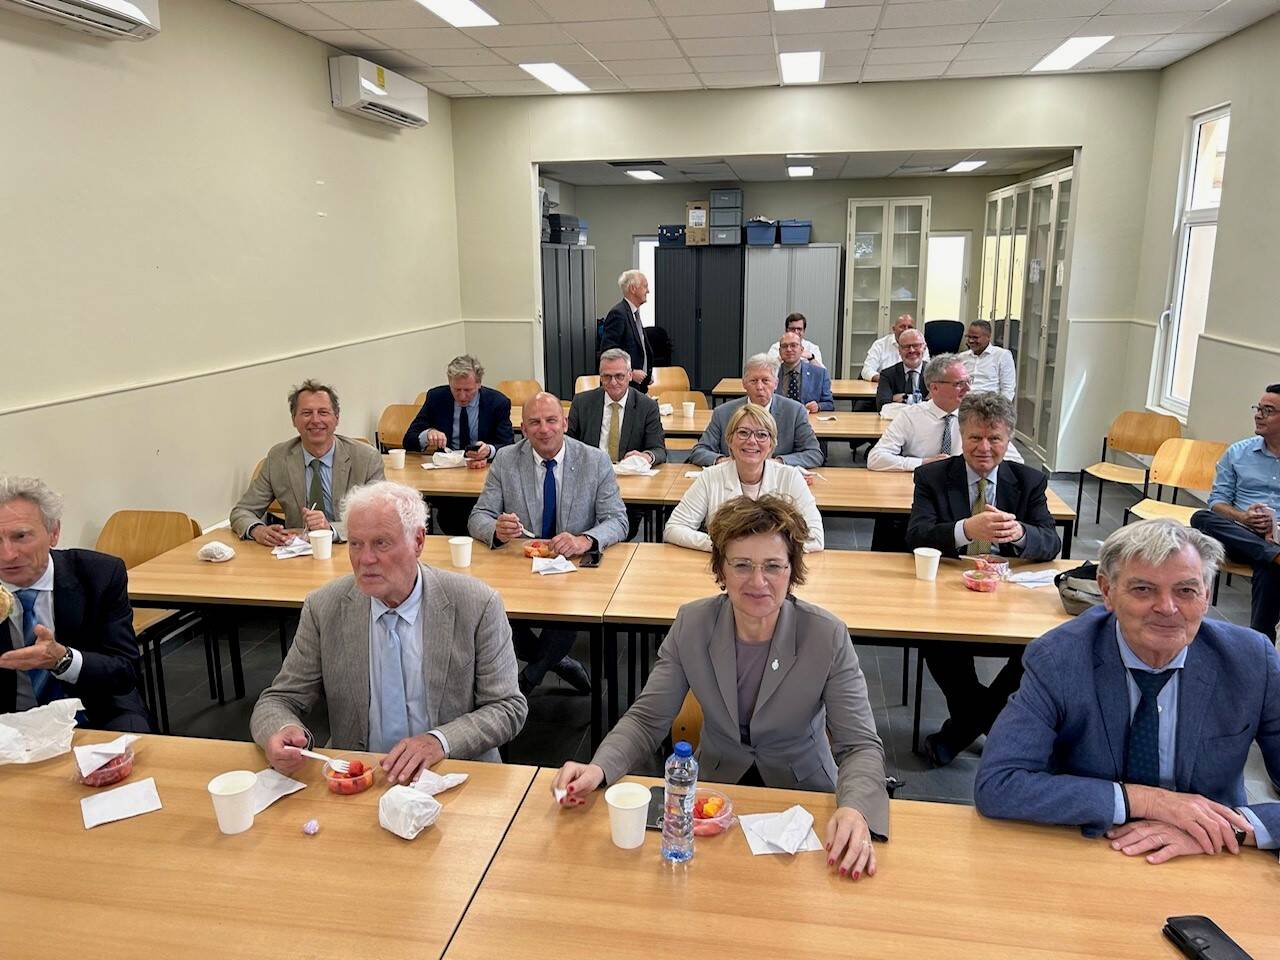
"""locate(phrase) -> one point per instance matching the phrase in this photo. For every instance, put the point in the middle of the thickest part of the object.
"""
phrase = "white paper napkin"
(665, 409)
(216, 552)
(814, 474)
(547, 565)
(39, 733)
(89, 758)
(447, 459)
(406, 812)
(693, 474)
(131, 800)
(634, 467)
(790, 831)
(1034, 578)
(431, 783)
(891, 410)
(297, 547)
(271, 786)
(829, 417)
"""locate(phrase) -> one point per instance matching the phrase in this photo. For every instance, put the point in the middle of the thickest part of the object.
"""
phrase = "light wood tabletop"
(875, 594)
(169, 885)
(949, 884)
(840, 389)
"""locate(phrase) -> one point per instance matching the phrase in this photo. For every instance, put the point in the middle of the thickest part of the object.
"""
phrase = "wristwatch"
(59, 668)
(1241, 835)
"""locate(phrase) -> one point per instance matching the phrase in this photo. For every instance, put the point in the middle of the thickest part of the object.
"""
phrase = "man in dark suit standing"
(974, 504)
(905, 379)
(623, 329)
(70, 632)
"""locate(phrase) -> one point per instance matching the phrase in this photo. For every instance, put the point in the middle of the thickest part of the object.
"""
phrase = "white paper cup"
(927, 563)
(232, 795)
(321, 544)
(397, 459)
(687, 409)
(628, 810)
(460, 551)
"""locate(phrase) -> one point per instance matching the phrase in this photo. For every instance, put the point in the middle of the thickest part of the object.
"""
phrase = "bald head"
(542, 422)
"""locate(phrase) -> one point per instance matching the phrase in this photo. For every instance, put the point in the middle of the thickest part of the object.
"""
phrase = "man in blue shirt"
(1243, 506)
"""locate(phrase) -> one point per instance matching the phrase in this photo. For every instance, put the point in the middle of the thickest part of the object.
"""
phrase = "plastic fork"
(339, 766)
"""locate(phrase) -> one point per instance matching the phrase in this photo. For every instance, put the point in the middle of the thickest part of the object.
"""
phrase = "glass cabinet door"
(1004, 262)
(1018, 278)
(866, 254)
(1039, 234)
(990, 239)
(906, 273)
(1056, 284)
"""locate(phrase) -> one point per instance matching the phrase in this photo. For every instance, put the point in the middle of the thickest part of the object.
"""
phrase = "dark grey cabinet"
(568, 315)
(699, 304)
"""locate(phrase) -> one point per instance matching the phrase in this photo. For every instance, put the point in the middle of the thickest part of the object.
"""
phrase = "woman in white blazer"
(749, 472)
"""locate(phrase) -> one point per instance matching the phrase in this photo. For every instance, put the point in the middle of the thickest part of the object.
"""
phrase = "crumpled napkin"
(826, 417)
(431, 783)
(444, 459)
(94, 755)
(407, 811)
(271, 786)
(39, 733)
(216, 552)
(891, 410)
(790, 831)
(634, 467)
(1033, 578)
(297, 547)
(666, 409)
(546, 565)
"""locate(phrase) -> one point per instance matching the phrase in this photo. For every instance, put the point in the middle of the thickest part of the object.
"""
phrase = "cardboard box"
(696, 221)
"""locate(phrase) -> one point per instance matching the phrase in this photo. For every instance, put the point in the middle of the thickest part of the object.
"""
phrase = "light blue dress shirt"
(1248, 473)
(26, 697)
(326, 476)
(410, 665)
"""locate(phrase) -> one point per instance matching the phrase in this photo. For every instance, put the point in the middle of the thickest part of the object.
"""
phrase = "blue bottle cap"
(683, 749)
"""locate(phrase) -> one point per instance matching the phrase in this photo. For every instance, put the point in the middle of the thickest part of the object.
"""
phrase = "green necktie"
(615, 422)
(315, 496)
(977, 547)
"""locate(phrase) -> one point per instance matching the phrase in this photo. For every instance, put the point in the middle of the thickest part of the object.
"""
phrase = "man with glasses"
(884, 351)
(904, 381)
(990, 367)
(1243, 507)
(800, 380)
(809, 351)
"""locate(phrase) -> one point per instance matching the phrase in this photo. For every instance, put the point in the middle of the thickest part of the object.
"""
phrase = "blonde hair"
(761, 416)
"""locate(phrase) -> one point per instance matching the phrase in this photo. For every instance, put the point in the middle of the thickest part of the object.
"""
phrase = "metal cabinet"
(568, 315)
(784, 280)
(699, 304)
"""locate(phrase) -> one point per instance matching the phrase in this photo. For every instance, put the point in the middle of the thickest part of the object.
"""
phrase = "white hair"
(1153, 542)
(407, 502)
(760, 360)
(464, 365)
(615, 353)
(628, 279)
(36, 491)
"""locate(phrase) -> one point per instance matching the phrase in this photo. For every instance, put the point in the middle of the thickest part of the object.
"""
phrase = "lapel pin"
(774, 665)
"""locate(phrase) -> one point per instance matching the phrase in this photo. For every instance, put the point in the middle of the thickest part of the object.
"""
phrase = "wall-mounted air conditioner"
(114, 19)
(359, 86)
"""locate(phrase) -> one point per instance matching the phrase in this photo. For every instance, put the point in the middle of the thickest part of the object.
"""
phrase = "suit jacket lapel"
(781, 652)
(595, 417)
(724, 659)
(68, 598)
(568, 483)
(436, 616)
(958, 489)
(1197, 683)
(529, 487)
(355, 630)
(1113, 691)
(341, 478)
(1008, 489)
(297, 471)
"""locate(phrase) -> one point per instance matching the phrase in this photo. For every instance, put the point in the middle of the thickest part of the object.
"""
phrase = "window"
(1192, 268)
(946, 287)
(643, 248)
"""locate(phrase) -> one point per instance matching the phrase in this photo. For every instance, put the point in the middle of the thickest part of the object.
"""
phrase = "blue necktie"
(1143, 762)
(464, 428)
(43, 685)
(393, 705)
(549, 500)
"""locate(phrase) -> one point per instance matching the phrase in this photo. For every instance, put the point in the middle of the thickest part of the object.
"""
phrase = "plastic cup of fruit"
(717, 823)
(991, 565)
(113, 771)
(347, 784)
(981, 581)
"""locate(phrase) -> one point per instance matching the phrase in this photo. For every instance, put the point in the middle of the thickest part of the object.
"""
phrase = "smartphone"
(657, 804)
(589, 560)
(1201, 938)
(473, 447)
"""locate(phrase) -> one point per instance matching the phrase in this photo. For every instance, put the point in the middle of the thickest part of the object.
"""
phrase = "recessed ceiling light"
(556, 77)
(801, 156)
(803, 67)
(1071, 52)
(799, 171)
(459, 13)
(799, 4)
(644, 175)
(964, 166)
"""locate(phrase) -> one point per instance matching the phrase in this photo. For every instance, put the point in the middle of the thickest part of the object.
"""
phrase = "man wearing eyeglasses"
(1243, 507)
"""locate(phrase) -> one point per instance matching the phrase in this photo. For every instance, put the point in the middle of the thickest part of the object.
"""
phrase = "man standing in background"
(623, 329)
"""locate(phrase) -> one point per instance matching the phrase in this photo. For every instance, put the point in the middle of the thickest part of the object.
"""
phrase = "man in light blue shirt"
(1243, 507)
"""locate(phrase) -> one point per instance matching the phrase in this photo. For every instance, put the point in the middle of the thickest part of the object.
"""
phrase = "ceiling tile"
(382, 14)
(451, 88)
(458, 56)
(1235, 15)
(348, 40)
(904, 71)
(637, 50)
(936, 13)
(849, 74)
(650, 28)
(730, 46)
(1102, 60)
(912, 54)
(565, 53)
(1057, 29)
(843, 58)
(1135, 23)
(583, 70)
(299, 16)
(1152, 61)
(395, 59)
(825, 21)
(680, 8)
(847, 40)
(520, 35)
(1012, 48)
(512, 88)
(729, 64)
(923, 36)
(1046, 9)
(1132, 43)
(733, 25)
(427, 74)
(511, 11)
(644, 68)
(669, 81)
(435, 39)
(476, 74)
(1159, 6)
(1005, 66)
(744, 78)
(1184, 41)
(596, 9)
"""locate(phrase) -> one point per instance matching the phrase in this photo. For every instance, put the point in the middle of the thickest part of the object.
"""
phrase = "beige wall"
(168, 273)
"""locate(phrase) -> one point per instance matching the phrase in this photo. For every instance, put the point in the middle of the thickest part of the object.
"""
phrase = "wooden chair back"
(687, 725)
(136, 536)
(393, 423)
(588, 381)
(420, 399)
(518, 391)
(669, 378)
(677, 397)
(1187, 464)
(1141, 432)
(195, 529)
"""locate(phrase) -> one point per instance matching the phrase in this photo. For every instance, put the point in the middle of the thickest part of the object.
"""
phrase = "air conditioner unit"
(114, 19)
(359, 86)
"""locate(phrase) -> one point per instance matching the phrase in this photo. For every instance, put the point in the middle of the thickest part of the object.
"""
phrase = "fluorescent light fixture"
(803, 67)
(459, 13)
(799, 4)
(799, 171)
(1071, 52)
(802, 156)
(965, 166)
(644, 175)
(556, 77)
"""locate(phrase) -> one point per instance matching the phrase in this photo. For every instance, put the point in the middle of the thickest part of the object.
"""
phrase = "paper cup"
(687, 409)
(927, 563)
(460, 551)
(232, 795)
(321, 544)
(628, 810)
(396, 460)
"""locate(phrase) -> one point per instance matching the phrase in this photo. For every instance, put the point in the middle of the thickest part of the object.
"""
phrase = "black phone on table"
(657, 804)
(1202, 939)
(589, 560)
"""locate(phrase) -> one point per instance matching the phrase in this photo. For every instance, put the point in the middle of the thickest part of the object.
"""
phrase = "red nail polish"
(857, 875)
(570, 788)
(843, 871)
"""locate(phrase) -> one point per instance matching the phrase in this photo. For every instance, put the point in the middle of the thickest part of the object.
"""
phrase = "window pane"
(644, 263)
(1210, 159)
(1190, 307)
(945, 279)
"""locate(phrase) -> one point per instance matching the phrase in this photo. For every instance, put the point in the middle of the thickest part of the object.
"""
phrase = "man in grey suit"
(411, 661)
(309, 475)
(797, 443)
(563, 491)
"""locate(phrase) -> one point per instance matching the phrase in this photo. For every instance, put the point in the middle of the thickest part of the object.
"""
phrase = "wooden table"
(254, 578)
(858, 492)
(949, 884)
(731, 387)
(169, 885)
(832, 425)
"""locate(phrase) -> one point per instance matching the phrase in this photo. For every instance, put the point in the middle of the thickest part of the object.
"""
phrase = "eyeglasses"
(957, 383)
(742, 434)
(1263, 411)
(608, 377)
(770, 568)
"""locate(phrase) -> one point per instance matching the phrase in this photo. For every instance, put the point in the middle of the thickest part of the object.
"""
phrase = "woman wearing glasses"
(784, 702)
(748, 472)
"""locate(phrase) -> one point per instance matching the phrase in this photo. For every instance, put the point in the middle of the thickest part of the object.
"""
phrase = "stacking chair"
(420, 399)
(588, 381)
(518, 391)
(1183, 464)
(666, 379)
(393, 424)
(675, 397)
(943, 336)
(687, 725)
(1133, 431)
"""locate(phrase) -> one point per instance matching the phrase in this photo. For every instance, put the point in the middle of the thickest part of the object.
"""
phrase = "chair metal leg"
(209, 665)
(1097, 515)
(1080, 493)
(162, 697)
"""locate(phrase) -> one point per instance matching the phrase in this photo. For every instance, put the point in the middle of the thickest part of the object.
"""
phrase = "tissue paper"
(297, 547)
(431, 783)
(446, 459)
(89, 758)
(406, 811)
(634, 467)
(216, 552)
(788, 832)
(271, 786)
(39, 733)
(546, 565)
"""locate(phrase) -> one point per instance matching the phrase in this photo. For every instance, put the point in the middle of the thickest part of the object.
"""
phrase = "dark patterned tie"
(945, 448)
(793, 385)
(1143, 761)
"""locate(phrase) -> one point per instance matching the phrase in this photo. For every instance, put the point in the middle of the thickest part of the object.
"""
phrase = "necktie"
(793, 385)
(615, 418)
(393, 706)
(911, 382)
(946, 434)
(315, 495)
(549, 500)
(464, 428)
(977, 547)
(644, 347)
(1143, 762)
(43, 685)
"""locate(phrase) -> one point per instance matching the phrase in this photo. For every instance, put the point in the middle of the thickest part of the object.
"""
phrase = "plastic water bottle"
(677, 818)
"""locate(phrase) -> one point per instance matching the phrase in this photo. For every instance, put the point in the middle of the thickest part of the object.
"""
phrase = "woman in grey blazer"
(784, 702)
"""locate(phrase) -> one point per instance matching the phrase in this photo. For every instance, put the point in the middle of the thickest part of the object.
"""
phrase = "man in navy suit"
(623, 329)
(801, 381)
(1136, 720)
(70, 632)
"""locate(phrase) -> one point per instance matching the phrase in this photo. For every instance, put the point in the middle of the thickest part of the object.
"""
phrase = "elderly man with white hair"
(796, 444)
(1135, 719)
(412, 661)
(623, 329)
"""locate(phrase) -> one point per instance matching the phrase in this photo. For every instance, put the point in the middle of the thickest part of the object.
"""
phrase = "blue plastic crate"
(795, 231)
(761, 233)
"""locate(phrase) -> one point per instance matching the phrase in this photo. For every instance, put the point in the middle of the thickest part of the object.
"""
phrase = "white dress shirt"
(806, 347)
(916, 433)
(992, 370)
(44, 615)
(607, 417)
(410, 665)
(884, 353)
(716, 485)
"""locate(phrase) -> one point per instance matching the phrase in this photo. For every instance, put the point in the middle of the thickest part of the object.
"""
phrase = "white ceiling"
(620, 45)
(826, 166)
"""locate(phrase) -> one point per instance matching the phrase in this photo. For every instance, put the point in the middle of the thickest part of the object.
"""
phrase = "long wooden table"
(731, 387)
(169, 885)
(949, 884)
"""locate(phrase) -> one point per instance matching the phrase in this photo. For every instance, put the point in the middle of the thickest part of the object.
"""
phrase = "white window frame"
(1186, 220)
